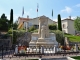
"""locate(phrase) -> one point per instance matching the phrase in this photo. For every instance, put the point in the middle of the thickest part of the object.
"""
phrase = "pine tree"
(59, 23)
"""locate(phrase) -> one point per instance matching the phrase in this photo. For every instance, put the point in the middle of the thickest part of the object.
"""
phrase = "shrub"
(10, 31)
(16, 34)
(66, 48)
(59, 36)
(32, 28)
(53, 27)
(36, 30)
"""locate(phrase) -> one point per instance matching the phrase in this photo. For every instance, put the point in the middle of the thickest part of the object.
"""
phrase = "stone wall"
(24, 39)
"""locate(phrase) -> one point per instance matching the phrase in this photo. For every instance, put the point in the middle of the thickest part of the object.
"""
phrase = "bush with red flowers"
(66, 48)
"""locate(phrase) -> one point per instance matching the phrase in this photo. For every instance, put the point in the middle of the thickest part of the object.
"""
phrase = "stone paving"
(59, 57)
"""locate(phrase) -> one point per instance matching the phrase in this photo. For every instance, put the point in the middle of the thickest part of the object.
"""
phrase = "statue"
(43, 37)
(43, 32)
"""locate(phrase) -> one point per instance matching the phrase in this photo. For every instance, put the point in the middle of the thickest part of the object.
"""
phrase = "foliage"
(32, 28)
(15, 25)
(3, 16)
(16, 34)
(36, 30)
(76, 57)
(10, 31)
(11, 17)
(53, 27)
(73, 38)
(59, 36)
(4, 22)
(59, 23)
(14, 37)
(77, 23)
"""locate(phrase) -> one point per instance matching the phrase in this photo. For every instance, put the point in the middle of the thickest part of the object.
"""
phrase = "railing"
(38, 51)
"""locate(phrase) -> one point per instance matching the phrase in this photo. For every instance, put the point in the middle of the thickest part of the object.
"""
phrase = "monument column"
(39, 32)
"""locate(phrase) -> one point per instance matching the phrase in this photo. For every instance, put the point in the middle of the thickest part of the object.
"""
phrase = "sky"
(65, 8)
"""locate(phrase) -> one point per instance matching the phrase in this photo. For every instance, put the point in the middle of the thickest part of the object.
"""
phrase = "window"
(64, 26)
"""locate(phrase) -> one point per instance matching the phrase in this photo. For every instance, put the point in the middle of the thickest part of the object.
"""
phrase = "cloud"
(78, 5)
(67, 9)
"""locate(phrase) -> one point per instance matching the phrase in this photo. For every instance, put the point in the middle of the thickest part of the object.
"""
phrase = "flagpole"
(37, 12)
(52, 14)
(37, 9)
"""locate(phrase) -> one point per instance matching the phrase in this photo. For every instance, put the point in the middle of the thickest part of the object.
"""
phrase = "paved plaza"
(56, 57)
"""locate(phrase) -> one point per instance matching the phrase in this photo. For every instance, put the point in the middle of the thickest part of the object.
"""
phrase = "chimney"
(27, 16)
(69, 17)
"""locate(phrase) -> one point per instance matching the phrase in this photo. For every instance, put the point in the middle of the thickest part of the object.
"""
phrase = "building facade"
(68, 25)
(27, 22)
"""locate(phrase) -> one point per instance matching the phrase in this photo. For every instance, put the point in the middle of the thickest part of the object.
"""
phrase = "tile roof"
(24, 18)
(68, 19)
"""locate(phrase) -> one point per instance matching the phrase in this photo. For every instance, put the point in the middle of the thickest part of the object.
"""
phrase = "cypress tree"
(11, 17)
(59, 23)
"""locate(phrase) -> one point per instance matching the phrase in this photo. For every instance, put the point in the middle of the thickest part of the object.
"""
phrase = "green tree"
(11, 17)
(53, 27)
(4, 23)
(77, 23)
(59, 23)
(17, 34)
(15, 25)
(32, 28)
(3, 16)
(59, 36)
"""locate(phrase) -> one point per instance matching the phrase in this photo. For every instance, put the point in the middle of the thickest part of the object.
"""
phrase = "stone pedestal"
(43, 37)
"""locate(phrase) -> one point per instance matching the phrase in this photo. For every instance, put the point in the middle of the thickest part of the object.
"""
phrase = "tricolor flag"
(37, 7)
(52, 12)
(23, 11)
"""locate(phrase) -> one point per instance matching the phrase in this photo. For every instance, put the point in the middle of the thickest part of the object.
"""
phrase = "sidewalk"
(37, 57)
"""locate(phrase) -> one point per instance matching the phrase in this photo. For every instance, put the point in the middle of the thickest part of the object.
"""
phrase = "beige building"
(68, 25)
(27, 22)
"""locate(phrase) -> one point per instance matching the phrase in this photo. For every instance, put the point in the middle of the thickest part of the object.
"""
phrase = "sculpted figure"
(43, 32)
